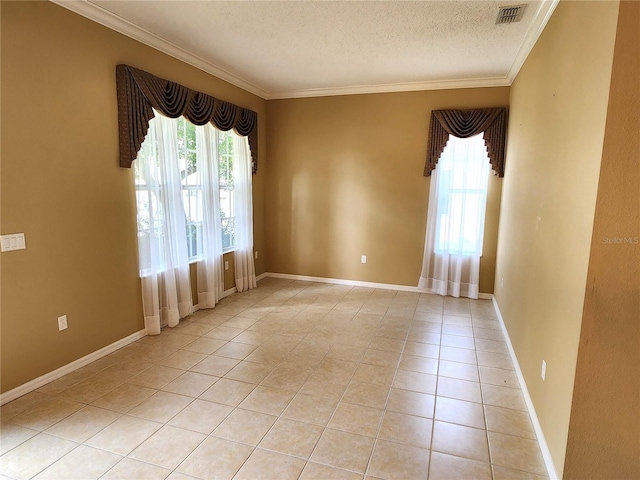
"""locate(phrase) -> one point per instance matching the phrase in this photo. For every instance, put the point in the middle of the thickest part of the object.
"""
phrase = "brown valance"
(140, 92)
(465, 124)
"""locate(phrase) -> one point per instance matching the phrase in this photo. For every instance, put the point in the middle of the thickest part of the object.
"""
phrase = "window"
(463, 171)
(191, 183)
(227, 204)
(150, 213)
(149, 174)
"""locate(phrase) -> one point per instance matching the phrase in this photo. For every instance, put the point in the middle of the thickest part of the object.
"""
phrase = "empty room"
(320, 240)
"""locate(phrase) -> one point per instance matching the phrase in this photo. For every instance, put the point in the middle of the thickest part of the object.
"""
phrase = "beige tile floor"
(291, 380)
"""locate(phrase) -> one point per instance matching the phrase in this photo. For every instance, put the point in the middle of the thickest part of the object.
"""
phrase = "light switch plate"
(14, 241)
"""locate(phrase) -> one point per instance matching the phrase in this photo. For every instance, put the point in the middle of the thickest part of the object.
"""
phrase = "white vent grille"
(510, 14)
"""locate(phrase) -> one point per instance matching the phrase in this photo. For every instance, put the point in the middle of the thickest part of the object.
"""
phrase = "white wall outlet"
(256, 255)
(363, 259)
(226, 265)
(543, 372)
(62, 323)
(502, 282)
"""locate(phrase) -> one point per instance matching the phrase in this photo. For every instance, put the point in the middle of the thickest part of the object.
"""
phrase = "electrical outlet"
(363, 259)
(62, 323)
(226, 265)
(543, 372)
(502, 282)
(256, 254)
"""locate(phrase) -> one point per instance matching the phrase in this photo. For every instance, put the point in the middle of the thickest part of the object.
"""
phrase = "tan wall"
(556, 130)
(345, 180)
(229, 275)
(604, 432)
(62, 187)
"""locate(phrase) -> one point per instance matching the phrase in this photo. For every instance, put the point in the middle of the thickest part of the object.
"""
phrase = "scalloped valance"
(139, 93)
(465, 124)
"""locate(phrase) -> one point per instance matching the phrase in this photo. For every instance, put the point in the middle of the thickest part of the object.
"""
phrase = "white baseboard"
(356, 283)
(68, 368)
(226, 293)
(546, 453)
(81, 362)
(261, 276)
(340, 281)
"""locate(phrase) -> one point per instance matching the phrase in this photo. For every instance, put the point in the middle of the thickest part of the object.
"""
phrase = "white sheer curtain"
(455, 219)
(162, 243)
(210, 272)
(245, 267)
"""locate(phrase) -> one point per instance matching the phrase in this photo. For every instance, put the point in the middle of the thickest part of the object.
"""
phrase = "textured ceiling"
(306, 48)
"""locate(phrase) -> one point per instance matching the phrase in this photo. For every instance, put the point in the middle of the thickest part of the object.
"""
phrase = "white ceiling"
(286, 49)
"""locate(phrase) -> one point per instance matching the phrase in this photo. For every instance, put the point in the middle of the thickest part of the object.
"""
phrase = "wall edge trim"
(69, 367)
(123, 342)
(261, 276)
(226, 293)
(104, 17)
(542, 16)
(341, 281)
(546, 453)
(118, 24)
(426, 85)
(356, 283)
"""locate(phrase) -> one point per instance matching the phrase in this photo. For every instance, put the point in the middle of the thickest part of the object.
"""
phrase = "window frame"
(187, 189)
(449, 172)
(229, 187)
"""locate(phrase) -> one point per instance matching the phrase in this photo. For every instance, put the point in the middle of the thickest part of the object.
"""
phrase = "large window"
(150, 214)
(463, 172)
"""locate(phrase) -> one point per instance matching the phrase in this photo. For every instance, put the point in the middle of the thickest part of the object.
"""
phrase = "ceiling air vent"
(510, 14)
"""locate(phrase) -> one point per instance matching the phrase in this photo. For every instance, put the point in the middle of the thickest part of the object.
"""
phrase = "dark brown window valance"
(465, 124)
(140, 92)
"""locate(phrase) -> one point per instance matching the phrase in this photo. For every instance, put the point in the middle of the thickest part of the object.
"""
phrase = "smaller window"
(149, 209)
(463, 172)
(227, 198)
(192, 184)
(191, 181)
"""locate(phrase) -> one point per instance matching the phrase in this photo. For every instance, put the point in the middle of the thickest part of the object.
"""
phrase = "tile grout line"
(435, 395)
(316, 368)
(384, 409)
(484, 410)
(280, 415)
(338, 404)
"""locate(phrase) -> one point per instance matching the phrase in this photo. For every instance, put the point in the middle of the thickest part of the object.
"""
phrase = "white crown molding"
(110, 20)
(393, 87)
(540, 21)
